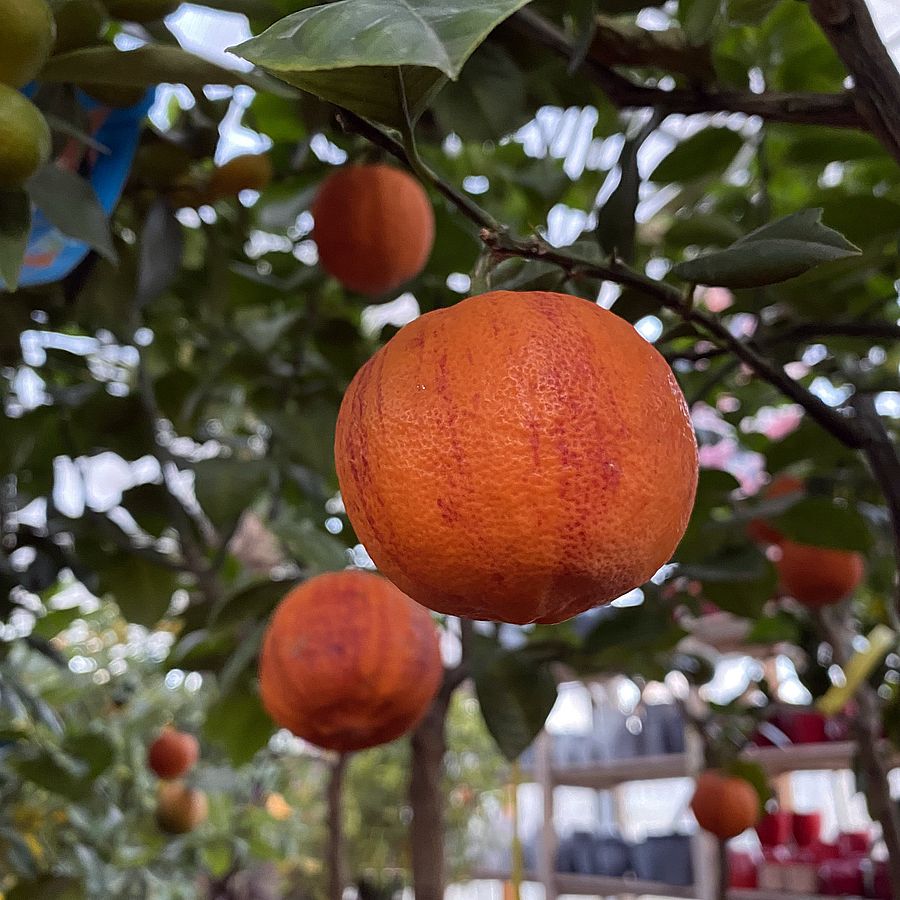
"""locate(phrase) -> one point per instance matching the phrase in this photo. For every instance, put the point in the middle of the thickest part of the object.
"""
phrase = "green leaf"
(776, 252)
(69, 202)
(703, 155)
(629, 627)
(488, 101)
(226, 487)
(146, 66)
(749, 12)
(633, 304)
(313, 547)
(15, 225)
(142, 590)
(352, 52)
(53, 623)
(615, 230)
(515, 695)
(818, 521)
(254, 602)
(698, 19)
(239, 724)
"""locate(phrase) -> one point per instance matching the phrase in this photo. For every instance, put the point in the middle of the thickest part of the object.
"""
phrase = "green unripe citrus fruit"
(24, 138)
(26, 39)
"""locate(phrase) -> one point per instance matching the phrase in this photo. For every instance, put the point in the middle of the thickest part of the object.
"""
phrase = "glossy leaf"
(515, 696)
(820, 522)
(702, 156)
(421, 41)
(70, 203)
(776, 252)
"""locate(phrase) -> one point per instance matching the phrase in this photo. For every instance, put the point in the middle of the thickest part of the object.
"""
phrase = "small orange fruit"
(819, 576)
(173, 753)
(251, 172)
(179, 808)
(724, 805)
(374, 228)
(760, 530)
(349, 662)
(519, 457)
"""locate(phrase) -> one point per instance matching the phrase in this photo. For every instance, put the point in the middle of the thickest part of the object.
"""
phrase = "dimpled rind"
(518, 457)
(374, 227)
(349, 662)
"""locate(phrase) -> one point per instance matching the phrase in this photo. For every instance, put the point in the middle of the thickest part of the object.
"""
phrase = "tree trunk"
(336, 876)
(426, 799)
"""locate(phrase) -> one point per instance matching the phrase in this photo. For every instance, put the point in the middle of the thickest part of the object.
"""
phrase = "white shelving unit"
(603, 776)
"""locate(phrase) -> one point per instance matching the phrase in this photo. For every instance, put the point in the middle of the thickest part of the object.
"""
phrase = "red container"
(854, 843)
(881, 883)
(774, 829)
(841, 876)
(805, 727)
(741, 870)
(807, 828)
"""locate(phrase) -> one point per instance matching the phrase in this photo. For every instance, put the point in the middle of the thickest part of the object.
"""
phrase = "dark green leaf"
(70, 203)
(313, 547)
(774, 629)
(227, 487)
(702, 156)
(239, 724)
(818, 521)
(15, 224)
(776, 252)
(430, 40)
(142, 590)
(698, 18)
(515, 696)
(488, 101)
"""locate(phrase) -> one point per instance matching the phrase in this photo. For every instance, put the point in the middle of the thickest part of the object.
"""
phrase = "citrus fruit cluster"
(180, 808)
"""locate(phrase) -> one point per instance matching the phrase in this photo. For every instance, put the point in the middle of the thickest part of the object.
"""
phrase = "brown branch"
(336, 876)
(795, 107)
(881, 455)
(848, 25)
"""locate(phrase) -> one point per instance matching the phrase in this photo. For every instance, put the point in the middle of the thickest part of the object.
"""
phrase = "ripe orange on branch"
(374, 227)
(173, 753)
(724, 805)
(349, 662)
(518, 457)
(818, 576)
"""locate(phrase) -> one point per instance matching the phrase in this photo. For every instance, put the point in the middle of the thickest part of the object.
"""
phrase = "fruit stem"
(335, 852)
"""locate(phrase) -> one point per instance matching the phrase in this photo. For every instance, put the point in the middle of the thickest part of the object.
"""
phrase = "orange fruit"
(724, 805)
(251, 172)
(519, 457)
(760, 530)
(818, 576)
(374, 227)
(349, 662)
(25, 141)
(173, 753)
(26, 39)
(179, 808)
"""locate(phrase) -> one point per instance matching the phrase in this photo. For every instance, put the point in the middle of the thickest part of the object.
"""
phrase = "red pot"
(774, 829)
(807, 828)
(741, 870)
(805, 727)
(854, 843)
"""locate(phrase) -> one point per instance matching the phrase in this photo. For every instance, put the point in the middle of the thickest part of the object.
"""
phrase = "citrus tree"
(177, 346)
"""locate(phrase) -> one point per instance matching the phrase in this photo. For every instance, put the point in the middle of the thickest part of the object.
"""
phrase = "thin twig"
(798, 108)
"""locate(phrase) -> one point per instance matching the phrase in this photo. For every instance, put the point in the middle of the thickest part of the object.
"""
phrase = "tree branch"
(798, 108)
(848, 25)
(881, 455)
